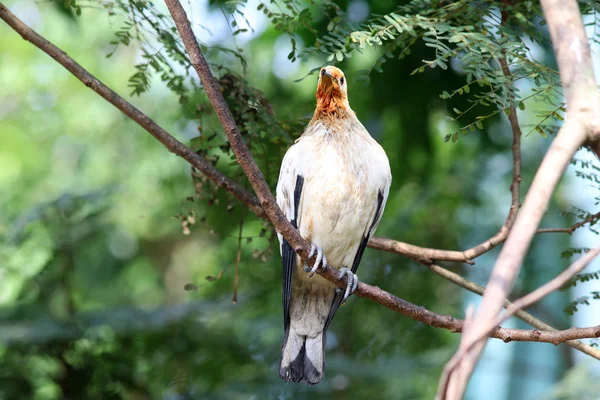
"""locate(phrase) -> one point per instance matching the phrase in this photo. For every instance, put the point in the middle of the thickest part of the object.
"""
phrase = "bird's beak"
(326, 81)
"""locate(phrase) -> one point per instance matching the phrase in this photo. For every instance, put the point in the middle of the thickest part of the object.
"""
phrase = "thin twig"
(429, 255)
(592, 219)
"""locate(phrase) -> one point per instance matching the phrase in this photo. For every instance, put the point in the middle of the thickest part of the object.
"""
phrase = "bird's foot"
(352, 282)
(320, 260)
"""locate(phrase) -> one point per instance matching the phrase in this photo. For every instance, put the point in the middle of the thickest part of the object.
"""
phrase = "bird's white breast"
(344, 171)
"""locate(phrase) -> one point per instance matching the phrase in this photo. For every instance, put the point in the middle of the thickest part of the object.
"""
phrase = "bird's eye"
(342, 81)
(323, 71)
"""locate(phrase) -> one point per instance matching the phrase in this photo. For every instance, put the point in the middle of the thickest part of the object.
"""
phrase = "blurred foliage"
(578, 384)
(102, 230)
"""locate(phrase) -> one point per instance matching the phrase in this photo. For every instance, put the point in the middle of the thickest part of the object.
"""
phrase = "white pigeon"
(333, 186)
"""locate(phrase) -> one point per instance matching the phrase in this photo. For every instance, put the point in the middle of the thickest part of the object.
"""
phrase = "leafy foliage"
(572, 307)
(582, 278)
(473, 37)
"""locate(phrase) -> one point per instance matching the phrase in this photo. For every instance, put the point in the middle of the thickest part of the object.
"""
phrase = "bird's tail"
(302, 357)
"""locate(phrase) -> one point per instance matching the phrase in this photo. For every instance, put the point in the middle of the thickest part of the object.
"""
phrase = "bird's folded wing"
(289, 193)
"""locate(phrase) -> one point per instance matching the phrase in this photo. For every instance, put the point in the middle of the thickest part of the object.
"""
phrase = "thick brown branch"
(456, 325)
(244, 158)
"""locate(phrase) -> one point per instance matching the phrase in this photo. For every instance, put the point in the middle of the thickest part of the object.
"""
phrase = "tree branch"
(575, 65)
(592, 219)
(244, 158)
(481, 331)
(523, 315)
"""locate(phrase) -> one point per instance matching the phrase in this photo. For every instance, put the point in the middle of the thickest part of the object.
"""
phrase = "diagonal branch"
(481, 331)
(521, 314)
(244, 158)
(592, 219)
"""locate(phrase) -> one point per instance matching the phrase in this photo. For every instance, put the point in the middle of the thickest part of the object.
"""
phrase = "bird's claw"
(320, 260)
(352, 282)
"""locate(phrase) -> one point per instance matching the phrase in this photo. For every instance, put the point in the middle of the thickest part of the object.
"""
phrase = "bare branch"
(427, 255)
(481, 331)
(523, 315)
(592, 219)
(455, 325)
(583, 100)
(420, 253)
(544, 290)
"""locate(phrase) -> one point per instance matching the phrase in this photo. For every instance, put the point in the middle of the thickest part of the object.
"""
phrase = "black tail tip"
(309, 376)
(301, 370)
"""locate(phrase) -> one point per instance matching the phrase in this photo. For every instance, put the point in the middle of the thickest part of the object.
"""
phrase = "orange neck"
(331, 103)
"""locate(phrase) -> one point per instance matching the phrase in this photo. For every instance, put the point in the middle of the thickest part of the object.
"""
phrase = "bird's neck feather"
(332, 105)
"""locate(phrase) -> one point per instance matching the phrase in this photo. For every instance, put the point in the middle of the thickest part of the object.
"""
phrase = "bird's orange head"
(332, 96)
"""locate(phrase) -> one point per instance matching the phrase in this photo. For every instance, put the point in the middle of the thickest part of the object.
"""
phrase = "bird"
(333, 184)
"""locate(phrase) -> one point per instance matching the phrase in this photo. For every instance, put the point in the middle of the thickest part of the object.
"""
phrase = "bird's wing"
(289, 193)
(382, 196)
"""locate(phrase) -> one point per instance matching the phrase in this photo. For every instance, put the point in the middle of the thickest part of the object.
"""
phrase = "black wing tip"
(288, 267)
(289, 257)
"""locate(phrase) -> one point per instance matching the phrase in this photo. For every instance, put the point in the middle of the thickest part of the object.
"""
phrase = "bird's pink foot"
(320, 260)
